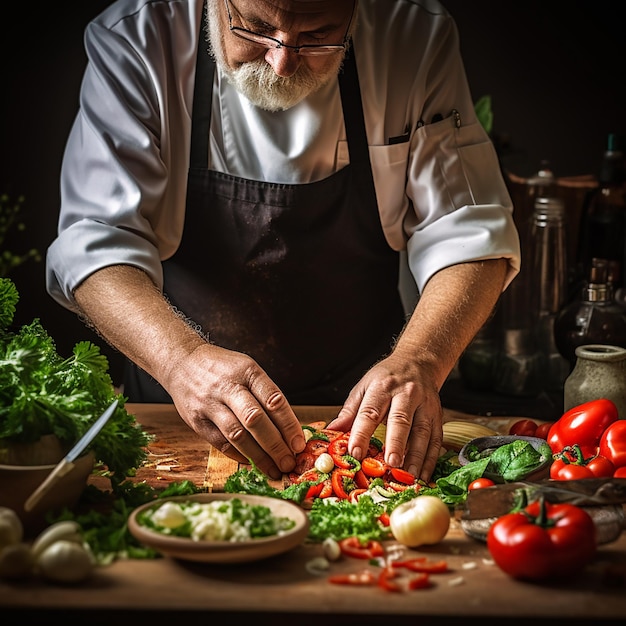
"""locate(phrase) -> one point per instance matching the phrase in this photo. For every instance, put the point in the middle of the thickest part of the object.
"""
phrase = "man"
(233, 212)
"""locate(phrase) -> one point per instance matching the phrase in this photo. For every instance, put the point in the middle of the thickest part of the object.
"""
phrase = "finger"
(424, 442)
(278, 409)
(226, 433)
(370, 414)
(255, 424)
(399, 430)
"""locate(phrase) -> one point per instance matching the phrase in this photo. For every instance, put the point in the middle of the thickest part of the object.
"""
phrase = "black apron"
(299, 277)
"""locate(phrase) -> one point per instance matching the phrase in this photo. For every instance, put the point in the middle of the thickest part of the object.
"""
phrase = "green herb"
(340, 519)
(253, 481)
(513, 460)
(42, 393)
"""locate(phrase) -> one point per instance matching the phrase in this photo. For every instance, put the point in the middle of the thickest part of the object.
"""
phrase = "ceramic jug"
(600, 372)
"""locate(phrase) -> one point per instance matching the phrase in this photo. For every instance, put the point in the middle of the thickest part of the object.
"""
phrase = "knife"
(67, 463)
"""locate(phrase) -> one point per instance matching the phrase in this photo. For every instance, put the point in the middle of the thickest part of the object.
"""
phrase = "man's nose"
(284, 61)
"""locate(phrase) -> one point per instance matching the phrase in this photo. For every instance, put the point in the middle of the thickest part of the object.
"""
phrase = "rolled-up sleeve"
(125, 162)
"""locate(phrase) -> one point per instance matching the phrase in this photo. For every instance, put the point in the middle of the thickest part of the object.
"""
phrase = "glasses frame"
(265, 41)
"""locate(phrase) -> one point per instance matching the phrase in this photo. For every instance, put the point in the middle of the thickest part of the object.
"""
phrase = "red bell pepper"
(613, 443)
(543, 541)
(570, 464)
(583, 425)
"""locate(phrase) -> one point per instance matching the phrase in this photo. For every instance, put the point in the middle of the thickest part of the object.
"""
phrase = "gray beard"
(257, 81)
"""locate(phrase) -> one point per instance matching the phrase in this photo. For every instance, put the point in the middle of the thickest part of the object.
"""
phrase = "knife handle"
(63, 468)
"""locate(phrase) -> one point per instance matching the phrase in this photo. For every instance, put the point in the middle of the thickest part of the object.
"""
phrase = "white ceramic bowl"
(224, 551)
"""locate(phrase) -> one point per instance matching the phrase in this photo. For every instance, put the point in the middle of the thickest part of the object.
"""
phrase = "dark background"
(554, 71)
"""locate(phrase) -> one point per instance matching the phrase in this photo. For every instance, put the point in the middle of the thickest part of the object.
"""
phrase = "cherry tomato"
(373, 467)
(526, 428)
(620, 472)
(543, 430)
(480, 483)
(613, 443)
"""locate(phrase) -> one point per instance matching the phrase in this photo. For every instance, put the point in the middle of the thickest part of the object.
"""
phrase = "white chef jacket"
(441, 195)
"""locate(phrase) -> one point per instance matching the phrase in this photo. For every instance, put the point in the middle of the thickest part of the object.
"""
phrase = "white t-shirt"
(440, 191)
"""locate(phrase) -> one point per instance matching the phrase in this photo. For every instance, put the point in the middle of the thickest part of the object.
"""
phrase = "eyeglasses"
(265, 41)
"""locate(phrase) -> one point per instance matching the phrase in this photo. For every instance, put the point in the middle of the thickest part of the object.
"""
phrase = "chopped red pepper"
(353, 547)
(421, 581)
(385, 580)
(364, 578)
(422, 564)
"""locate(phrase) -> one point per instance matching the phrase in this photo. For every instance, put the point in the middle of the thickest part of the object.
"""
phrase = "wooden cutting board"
(177, 453)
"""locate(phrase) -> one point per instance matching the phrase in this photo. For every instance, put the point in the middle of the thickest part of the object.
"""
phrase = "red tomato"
(620, 472)
(613, 443)
(543, 430)
(480, 483)
(543, 541)
(353, 547)
(583, 425)
(373, 467)
(526, 428)
(570, 464)
(601, 467)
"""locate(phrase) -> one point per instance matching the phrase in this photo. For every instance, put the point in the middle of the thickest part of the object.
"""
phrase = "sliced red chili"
(337, 479)
(385, 580)
(422, 564)
(315, 490)
(353, 547)
(421, 581)
(363, 578)
(327, 489)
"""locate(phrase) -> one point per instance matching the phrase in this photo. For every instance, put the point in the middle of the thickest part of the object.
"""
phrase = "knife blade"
(67, 462)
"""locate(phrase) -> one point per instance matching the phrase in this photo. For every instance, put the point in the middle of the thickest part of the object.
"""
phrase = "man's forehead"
(304, 6)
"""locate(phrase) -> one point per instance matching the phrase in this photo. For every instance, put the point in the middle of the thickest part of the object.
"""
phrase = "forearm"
(129, 312)
(455, 303)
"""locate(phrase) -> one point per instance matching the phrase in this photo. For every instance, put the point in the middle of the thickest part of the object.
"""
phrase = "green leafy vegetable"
(42, 393)
(341, 518)
(253, 481)
(513, 460)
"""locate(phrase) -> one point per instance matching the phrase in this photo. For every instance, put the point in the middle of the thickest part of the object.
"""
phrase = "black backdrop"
(554, 70)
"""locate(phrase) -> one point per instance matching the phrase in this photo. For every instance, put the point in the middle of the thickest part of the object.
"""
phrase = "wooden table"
(163, 591)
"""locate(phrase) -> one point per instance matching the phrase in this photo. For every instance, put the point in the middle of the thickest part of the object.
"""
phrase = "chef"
(239, 190)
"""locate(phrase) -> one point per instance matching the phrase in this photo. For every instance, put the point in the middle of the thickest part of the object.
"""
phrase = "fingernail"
(275, 474)
(412, 469)
(394, 460)
(356, 453)
(298, 444)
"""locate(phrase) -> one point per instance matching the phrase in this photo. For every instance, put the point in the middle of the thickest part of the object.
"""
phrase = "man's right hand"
(222, 395)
